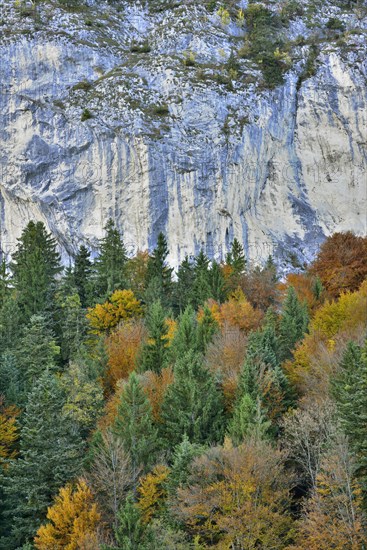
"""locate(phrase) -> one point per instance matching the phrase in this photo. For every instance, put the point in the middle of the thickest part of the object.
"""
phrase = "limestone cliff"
(121, 110)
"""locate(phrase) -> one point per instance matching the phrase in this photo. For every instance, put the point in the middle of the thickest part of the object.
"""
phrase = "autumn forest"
(223, 405)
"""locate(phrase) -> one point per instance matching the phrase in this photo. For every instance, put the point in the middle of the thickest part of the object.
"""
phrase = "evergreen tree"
(83, 271)
(37, 351)
(293, 324)
(131, 532)
(35, 266)
(111, 262)
(196, 402)
(10, 380)
(201, 291)
(10, 325)
(207, 328)
(50, 455)
(248, 420)
(186, 335)
(183, 455)
(134, 425)
(217, 283)
(184, 285)
(73, 326)
(350, 392)
(155, 351)
(236, 258)
(5, 282)
(159, 274)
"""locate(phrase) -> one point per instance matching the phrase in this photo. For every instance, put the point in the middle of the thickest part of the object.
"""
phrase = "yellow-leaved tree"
(152, 492)
(8, 432)
(73, 521)
(121, 306)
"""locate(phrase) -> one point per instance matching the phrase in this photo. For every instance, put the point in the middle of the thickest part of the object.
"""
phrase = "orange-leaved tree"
(121, 306)
(238, 497)
(155, 386)
(235, 312)
(341, 262)
(73, 519)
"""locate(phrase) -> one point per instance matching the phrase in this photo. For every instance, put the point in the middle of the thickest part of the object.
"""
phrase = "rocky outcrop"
(92, 130)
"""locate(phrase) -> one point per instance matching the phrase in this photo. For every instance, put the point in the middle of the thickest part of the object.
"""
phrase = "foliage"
(111, 262)
(155, 351)
(35, 265)
(121, 306)
(238, 496)
(152, 492)
(9, 433)
(73, 519)
(196, 402)
(341, 263)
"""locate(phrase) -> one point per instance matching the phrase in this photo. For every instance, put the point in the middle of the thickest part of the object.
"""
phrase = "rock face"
(92, 129)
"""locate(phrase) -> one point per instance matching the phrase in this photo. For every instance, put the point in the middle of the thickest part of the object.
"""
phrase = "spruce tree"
(217, 283)
(248, 420)
(50, 455)
(159, 274)
(37, 351)
(83, 271)
(35, 266)
(207, 328)
(184, 285)
(111, 262)
(293, 324)
(236, 258)
(10, 323)
(183, 455)
(155, 352)
(131, 532)
(186, 335)
(201, 291)
(5, 282)
(350, 392)
(196, 402)
(134, 426)
(73, 326)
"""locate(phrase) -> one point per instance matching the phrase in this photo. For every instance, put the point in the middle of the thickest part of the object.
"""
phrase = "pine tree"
(134, 425)
(131, 533)
(196, 402)
(155, 351)
(37, 351)
(111, 262)
(159, 274)
(350, 391)
(35, 266)
(293, 324)
(50, 455)
(83, 271)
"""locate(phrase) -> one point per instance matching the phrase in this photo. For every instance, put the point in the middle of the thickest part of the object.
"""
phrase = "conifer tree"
(111, 262)
(5, 281)
(293, 324)
(183, 455)
(83, 271)
(186, 335)
(159, 274)
(236, 258)
(217, 283)
(155, 351)
(73, 326)
(185, 281)
(207, 328)
(131, 533)
(134, 425)
(248, 420)
(10, 325)
(50, 456)
(10, 379)
(35, 266)
(37, 351)
(202, 288)
(350, 391)
(196, 402)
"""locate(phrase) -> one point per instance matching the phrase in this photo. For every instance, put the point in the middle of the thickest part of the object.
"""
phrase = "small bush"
(189, 59)
(140, 48)
(83, 85)
(161, 110)
(335, 24)
(88, 23)
(86, 115)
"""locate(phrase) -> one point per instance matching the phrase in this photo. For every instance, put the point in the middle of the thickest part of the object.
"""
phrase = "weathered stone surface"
(278, 169)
